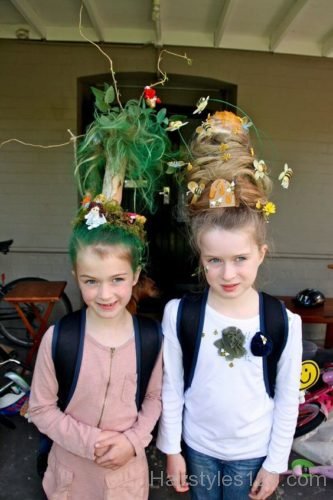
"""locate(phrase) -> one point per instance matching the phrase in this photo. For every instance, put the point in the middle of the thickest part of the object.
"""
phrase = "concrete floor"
(19, 481)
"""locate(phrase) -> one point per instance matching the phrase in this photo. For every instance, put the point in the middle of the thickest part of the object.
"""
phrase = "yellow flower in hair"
(100, 198)
(269, 208)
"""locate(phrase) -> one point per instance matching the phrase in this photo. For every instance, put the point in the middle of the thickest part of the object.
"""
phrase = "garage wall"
(289, 97)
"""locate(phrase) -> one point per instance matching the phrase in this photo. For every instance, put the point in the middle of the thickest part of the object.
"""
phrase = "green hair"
(132, 142)
(104, 236)
(134, 138)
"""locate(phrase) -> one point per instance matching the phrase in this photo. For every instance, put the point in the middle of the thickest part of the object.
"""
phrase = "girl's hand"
(113, 451)
(104, 437)
(264, 485)
(176, 471)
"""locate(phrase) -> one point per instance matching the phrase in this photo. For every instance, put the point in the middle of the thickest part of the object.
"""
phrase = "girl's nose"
(104, 291)
(228, 271)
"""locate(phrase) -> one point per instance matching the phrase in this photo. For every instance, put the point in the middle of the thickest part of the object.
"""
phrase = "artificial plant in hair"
(130, 141)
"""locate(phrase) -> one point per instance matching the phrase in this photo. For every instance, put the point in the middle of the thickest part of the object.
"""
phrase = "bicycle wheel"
(309, 417)
(11, 325)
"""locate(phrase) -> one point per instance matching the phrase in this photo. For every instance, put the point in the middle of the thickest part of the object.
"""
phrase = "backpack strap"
(274, 324)
(67, 350)
(148, 341)
(190, 320)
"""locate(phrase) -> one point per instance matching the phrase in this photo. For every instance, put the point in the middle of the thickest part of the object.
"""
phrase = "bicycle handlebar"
(10, 360)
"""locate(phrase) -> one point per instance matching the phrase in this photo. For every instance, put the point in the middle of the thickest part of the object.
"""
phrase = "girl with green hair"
(99, 440)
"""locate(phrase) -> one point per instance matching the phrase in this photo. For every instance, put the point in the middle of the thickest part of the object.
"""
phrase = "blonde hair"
(221, 149)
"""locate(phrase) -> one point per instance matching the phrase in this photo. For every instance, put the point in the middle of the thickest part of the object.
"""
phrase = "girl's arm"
(170, 427)
(286, 400)
(74, 436)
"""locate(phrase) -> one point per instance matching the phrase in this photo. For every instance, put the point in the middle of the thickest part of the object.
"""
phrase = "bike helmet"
(309, 298)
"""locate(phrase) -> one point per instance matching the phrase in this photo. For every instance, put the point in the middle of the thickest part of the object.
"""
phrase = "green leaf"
(99, 99)
(161, 115)
(109, 95)
(104, 121)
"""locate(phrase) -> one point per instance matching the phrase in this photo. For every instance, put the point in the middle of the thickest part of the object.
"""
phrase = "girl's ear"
(136, 276)
(262, 251)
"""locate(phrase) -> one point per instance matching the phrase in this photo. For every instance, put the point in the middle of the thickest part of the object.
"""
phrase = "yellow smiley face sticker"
(310, 374)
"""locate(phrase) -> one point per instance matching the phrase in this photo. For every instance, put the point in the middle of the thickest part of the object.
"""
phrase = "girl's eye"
(214, 260)
(117, 280)
(240, 258)
(90, 282)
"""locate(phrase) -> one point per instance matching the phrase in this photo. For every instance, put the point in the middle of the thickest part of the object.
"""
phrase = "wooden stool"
(33, 293)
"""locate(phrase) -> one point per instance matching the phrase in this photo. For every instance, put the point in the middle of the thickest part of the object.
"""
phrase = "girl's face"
(231, 260)
(105, 280)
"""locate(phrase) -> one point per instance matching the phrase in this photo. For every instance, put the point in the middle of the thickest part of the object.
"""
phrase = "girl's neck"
(111, 332)
(242, 307)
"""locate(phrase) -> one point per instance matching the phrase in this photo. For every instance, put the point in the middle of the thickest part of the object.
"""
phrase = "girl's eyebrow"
(211, 256)
(113, 276)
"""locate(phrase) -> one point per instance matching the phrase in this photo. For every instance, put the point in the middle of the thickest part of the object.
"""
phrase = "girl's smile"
(106, 281)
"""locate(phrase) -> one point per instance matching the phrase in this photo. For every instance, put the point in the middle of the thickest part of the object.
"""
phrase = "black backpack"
(67, 350)
(190, 320)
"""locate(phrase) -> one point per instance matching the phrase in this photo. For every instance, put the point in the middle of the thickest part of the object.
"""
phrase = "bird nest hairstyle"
(227, 186)
(224, 172)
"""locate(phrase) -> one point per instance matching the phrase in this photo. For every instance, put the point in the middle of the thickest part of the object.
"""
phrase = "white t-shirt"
(227, 412)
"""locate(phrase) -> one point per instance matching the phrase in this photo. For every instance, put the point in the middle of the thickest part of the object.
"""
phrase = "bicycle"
(304, 468)
(11, 325)
(14, 391)
(317, 403)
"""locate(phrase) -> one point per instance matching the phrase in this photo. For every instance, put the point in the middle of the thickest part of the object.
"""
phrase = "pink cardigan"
(104, 399)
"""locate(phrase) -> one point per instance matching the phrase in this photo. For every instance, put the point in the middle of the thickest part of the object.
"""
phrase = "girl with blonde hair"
(236, 434)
